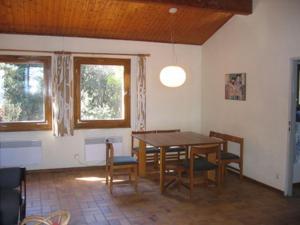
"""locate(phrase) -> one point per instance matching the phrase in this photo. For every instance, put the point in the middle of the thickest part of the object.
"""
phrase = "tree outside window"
(24, 103)
(102, 92)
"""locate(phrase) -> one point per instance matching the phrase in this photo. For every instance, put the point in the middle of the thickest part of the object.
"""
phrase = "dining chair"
(151, 152)
(229, 157)
(60, 217)
(178, 150)
(202, 159)
(119, 166)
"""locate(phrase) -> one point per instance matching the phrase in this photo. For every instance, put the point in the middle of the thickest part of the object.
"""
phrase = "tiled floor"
(86, 196)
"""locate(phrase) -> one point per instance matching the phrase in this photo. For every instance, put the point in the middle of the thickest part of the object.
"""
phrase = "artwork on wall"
(235, 86)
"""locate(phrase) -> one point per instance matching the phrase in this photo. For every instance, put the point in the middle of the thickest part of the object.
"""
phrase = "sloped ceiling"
(194, 22)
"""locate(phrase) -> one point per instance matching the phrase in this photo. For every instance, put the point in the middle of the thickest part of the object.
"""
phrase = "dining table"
(165, 140)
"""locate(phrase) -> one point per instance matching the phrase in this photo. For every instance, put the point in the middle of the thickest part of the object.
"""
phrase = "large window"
(24, 94)
(102, 92)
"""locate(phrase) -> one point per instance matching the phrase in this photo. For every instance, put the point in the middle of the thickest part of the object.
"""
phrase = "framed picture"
(235, 86)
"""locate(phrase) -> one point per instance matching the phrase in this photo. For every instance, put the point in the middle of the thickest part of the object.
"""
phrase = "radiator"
(95, 148)
(20, 153)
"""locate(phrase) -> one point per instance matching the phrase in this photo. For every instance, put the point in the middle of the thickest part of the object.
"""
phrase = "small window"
(24, 93)
(102, 92)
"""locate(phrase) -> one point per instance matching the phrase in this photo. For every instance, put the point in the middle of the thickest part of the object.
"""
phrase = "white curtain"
(62, 95)
(141, 94)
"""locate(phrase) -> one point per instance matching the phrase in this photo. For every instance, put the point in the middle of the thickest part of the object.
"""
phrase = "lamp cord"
(172, 39)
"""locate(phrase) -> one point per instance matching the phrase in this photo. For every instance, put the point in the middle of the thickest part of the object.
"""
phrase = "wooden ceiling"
(143, 20)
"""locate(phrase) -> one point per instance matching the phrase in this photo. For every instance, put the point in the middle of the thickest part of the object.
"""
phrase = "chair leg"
(191, 183)
(241, 170)
(187, 153)
(135, 178)
(218, 176)
(206, 178)
(179, 177)
(129, 174)
(106, 174)
(111, 179)
(225, 169)
(155, 160)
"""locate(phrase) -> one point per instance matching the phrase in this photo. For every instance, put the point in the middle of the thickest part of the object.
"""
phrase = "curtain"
(62, 95)
(141, 94)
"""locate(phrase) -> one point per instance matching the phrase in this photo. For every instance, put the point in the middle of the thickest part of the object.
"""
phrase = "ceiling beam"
(243, 7)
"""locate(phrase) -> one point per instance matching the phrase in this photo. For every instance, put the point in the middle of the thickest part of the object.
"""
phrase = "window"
(101, 93)
(24, 93)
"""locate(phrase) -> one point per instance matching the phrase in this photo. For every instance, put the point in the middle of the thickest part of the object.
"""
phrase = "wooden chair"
(151, 152)
(228, 157)
(174, 152)
(198, 163)
(60, 217)
(128, 165)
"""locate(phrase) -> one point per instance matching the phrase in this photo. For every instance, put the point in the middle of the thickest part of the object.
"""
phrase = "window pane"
(101, 91)
(21, 92)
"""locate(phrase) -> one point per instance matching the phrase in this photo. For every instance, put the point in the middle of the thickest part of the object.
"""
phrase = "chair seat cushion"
(124, 160)
(228, 155)
(200, 164)
(9, 206)
(176, 149)
(149, 149)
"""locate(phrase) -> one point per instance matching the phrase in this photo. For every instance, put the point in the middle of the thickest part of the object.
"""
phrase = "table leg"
(142, 158)
(212, 157)
(162, 168)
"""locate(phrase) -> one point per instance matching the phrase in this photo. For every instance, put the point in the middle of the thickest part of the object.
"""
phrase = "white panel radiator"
(20, 153)
(95, 148)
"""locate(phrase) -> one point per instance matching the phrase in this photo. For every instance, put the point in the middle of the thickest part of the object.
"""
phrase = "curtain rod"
(67, 52)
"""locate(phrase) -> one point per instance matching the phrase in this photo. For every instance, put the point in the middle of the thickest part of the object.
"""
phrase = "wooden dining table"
(166, 140)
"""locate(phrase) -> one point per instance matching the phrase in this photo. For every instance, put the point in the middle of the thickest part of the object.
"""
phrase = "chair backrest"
(216, 134)
(206, 150)
(229, 138)
(109, 153)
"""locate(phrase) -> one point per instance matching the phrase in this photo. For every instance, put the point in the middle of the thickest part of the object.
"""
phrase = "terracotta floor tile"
(90, 203)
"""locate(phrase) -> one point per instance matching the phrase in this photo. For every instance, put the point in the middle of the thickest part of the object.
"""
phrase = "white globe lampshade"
(172, 76)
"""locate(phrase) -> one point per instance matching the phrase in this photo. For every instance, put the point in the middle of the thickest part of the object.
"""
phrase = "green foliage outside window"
(21, 95)
(101, 88)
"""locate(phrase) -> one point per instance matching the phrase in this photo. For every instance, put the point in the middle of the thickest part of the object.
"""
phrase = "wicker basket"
(60, 217)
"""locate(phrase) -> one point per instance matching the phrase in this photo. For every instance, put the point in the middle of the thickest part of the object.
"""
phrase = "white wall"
(262, 45)
(166, 107)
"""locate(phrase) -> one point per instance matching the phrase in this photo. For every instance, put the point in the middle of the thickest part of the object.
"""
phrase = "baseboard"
(235, 171)
(68, 169)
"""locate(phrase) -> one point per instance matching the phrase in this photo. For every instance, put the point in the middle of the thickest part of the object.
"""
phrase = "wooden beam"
(243, 7)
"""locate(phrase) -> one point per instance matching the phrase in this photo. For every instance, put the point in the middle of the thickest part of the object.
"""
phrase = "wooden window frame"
(37, 125)
(90, 124)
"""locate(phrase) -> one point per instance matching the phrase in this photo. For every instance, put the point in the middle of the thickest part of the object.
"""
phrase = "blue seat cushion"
(228, 155)
(200, 164)
(149, 149)
(176, 149)
(10, 201)
(124, 160)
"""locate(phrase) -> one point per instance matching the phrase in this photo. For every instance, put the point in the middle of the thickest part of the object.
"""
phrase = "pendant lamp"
(173, 75)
